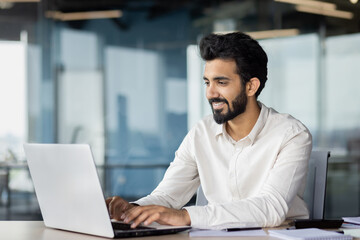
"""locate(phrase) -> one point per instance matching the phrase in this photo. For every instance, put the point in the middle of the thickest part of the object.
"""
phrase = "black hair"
(251, 60)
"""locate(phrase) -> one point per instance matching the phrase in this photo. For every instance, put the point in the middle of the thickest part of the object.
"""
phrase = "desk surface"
(35, 230)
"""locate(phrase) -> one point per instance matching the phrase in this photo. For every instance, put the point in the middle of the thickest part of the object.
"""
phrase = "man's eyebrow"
(221, 78)
(217, 78)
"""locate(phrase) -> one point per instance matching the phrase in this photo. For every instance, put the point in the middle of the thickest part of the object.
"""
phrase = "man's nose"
(211, 92)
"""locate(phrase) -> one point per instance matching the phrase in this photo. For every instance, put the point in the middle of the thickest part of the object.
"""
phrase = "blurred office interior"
(126, 77)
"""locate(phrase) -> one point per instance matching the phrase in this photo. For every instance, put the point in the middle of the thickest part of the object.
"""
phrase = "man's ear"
(252, 86)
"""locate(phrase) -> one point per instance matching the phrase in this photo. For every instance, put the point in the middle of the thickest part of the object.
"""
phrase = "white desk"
(35, 230)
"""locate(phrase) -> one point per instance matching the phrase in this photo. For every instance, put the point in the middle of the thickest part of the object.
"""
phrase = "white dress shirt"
(256, 181)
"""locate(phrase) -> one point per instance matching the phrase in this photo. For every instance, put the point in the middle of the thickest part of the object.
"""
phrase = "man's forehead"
(220, 66)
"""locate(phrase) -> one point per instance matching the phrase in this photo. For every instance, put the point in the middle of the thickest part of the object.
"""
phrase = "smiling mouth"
(218, 105)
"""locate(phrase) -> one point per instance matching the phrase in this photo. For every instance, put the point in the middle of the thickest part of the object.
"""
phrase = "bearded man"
(250, 160)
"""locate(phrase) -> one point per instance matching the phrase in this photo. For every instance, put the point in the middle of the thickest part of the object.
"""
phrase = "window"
(13, 100)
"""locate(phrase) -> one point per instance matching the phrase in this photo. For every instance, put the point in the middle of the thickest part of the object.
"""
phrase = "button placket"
(238, 162)
(232, 170)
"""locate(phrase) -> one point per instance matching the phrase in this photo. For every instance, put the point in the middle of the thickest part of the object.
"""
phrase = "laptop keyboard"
(126, 226)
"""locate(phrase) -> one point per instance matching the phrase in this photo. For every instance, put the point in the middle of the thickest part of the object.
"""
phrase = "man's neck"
(241, 126)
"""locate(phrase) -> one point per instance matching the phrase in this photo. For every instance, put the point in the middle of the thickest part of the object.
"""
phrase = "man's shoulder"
(285, 121)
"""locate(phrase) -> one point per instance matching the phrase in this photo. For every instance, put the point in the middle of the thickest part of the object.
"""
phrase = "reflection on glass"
(146, 119)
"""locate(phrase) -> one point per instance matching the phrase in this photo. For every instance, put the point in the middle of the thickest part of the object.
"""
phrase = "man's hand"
(154, 213)
(117, 207)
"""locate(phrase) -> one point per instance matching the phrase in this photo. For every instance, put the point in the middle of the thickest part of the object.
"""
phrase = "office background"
(130, 84)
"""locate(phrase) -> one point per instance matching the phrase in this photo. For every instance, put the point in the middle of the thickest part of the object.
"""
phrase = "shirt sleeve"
(180, 180)
(269, 207)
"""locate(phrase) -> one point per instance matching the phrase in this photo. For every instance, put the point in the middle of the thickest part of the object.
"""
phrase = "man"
(250, 160)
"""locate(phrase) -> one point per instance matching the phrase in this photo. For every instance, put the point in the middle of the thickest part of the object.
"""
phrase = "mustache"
(212, 100)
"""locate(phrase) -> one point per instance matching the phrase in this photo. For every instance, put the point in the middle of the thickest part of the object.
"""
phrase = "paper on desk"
(350, 225)
(308, 233)
(222, 233)
(354, 220)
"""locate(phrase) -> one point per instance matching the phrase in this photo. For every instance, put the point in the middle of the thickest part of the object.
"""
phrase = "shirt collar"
(260, 123)
(220, 128)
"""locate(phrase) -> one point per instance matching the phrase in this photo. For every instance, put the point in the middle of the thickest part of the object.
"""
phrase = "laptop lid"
(68, 189)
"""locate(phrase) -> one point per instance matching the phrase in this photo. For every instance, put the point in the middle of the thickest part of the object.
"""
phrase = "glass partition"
(342, 124)
(293, 72)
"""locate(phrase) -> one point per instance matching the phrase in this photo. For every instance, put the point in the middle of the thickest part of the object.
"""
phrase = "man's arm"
(177, 187)
(180, 180)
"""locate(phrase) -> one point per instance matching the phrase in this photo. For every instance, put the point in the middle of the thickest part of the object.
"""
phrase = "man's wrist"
(132, 205)
(186, 217)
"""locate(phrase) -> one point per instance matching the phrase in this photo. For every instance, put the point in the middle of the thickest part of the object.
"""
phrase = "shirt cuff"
(198, 216)
(141, 202)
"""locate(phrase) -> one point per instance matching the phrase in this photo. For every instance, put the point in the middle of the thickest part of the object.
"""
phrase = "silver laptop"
(70, 195)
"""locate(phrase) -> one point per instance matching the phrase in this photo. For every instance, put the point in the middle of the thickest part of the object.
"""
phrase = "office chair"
(315, 189)
(3, 183)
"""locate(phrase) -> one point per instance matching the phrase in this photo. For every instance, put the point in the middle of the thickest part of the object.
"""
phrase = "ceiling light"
(274, 33)
(310, 3)
(6, 5)
(354, 1)
(268, 33)
(331, 13)
(75, 16)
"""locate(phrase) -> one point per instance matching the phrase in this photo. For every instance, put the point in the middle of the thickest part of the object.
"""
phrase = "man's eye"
(206, 83)
(222, 83)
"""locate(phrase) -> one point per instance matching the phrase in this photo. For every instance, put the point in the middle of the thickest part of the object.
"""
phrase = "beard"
(238, 104)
